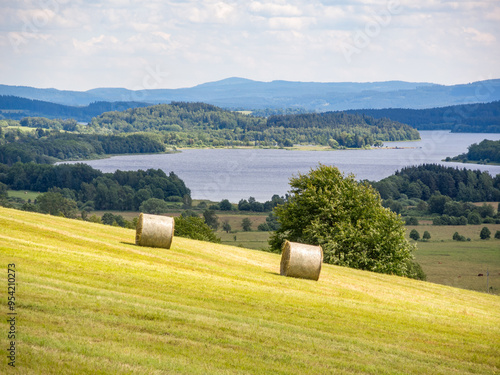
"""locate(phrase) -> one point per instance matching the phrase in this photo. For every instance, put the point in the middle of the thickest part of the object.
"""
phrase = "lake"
(236, 174)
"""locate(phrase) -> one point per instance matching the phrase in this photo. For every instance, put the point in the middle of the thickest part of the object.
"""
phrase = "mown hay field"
(88, 300)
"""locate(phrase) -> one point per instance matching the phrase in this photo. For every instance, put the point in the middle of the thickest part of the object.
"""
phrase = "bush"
(426, 236)
(458, 237)
(194, 228)
(497, 235)
(414, 235)
(347, 219)
(417, 271)
(485, 233)
(263, 227)
(411, 221)
(154, 206)
(246, 224)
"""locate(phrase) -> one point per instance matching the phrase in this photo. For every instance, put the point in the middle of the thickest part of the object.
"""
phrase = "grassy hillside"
(90, 301)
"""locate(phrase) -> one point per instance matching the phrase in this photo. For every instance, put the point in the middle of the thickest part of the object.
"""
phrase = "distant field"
(23, 194)
(250, 240)
(445, 232)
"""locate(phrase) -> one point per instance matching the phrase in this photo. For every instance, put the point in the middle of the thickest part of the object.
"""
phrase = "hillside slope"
(89, 301)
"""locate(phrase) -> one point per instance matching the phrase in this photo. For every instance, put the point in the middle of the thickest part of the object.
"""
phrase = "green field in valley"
(459, 264)
(89, 301)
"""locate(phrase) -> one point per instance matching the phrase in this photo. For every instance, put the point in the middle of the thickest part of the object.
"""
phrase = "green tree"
(225, 205)
(211, 219)
(458, 237)
(437, 203)
(226, 226)
(3, 191)
(497, 234)
(108, 218)
(414, 235)
(154, 206)
(187, 201)
(56, 204)
(412, 221)
(246, 224)
(474, 218)
(485, 233)
(426, 236)
(194, 228)
(347, 219)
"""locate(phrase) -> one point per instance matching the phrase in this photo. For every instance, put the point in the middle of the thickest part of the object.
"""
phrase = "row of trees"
(19, 108)
(42, 146)
(91, 189)
(196, 124)
(467, 118)
(423, 181)
(485, 152)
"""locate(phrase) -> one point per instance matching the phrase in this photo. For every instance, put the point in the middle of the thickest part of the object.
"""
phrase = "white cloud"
(204, 40)
(95, 44)
(293, 23)
(478, 36)
(270, 9)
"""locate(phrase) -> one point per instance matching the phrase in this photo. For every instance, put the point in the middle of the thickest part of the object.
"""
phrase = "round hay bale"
(300, 260)
(154, 231)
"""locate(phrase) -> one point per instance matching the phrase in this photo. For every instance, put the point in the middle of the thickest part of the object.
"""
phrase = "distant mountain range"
(16, 108)
(240, 93)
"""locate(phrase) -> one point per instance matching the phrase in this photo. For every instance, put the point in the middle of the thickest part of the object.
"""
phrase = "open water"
(236, 174)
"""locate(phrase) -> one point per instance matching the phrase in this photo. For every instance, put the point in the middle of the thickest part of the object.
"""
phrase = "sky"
(149, 44)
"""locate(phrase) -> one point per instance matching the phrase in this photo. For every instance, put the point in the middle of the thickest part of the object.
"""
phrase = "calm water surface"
(234, 174)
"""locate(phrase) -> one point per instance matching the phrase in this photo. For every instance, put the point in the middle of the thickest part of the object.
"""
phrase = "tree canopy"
(197, 124)
(485, 152)
(347, 219)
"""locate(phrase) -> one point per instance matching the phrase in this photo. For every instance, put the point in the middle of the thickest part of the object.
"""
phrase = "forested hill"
(16, 108)
(485, 152)
(205, 124)
(467, 118)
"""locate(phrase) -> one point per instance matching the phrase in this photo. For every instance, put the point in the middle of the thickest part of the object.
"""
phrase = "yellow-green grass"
(91, 302)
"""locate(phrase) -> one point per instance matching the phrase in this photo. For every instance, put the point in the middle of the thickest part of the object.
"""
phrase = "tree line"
(423, 181)
(197, 124)
(14, 107)
(445, 193)
(91, 189)
(44, 146)
(485, 152)
(466, 118)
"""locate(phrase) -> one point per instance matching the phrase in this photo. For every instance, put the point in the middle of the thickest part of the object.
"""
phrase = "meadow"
(88, 300)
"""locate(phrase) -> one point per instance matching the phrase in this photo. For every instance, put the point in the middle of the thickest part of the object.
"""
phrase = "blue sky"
(79, 45)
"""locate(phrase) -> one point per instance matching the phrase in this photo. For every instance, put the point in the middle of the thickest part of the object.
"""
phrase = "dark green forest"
(14, 107)
(485, 152)
(199, 124)
(94, 190)
(467, 118)
(425, 180)
(444, 193)
(43, 146)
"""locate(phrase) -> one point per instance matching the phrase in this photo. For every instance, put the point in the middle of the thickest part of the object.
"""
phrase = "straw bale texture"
(154, 231)
(300, 260)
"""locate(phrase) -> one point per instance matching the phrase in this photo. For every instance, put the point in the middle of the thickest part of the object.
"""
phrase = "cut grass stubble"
(90, 301)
